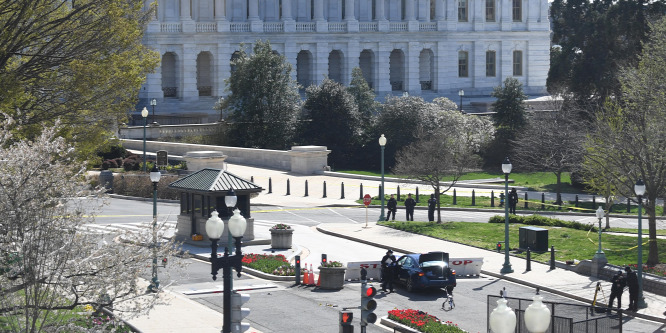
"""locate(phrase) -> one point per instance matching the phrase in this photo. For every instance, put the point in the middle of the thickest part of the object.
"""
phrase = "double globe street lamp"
(506, 169)
(214, 229)
(537, 317)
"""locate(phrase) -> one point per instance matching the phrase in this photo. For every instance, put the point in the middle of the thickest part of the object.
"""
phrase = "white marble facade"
(423, 47)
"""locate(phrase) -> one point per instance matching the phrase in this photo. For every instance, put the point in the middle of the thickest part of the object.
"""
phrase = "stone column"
(412, 66)
(291, 53)
(189, 73)
(506, 18)
(256, 25)
(451, 15)
(287, 19)
(440, 14)
(320, 62)
(321, 25)
(352, 22)
(382, 23)
(221, 16)
(223, 69)
(351, 60)
(412, 23)
(186, 17)
(382, 67)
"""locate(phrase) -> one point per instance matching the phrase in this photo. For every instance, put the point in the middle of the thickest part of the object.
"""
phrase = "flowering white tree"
(49, 266)
(449, 150)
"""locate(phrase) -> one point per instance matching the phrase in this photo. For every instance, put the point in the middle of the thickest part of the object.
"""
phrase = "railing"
(337, 26)
(207, 27)
(273, 27)
(398, 26)
(367, 26)
(170, 91)
(305, 26)
(239, 27)
(171, 27)
(427, 26)
(205, 90)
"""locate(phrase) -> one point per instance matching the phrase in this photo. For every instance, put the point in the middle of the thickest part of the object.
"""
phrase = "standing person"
(619, 282)
(432, 204)
(409, 207)
(632, 283)
(392, 207)
(513, 200)
(388, 262)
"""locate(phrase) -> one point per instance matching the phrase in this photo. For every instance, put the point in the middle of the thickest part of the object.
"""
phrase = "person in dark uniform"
(388, 263)
(617, 288)
(392, 206)
(513, 201)
(432, 204)
(410, 203)
(632, 283)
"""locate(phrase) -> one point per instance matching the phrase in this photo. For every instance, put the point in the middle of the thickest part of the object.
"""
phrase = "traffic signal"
(368, 304)
(346, 318)
(324, 260)
(238, 312)
(297, 270)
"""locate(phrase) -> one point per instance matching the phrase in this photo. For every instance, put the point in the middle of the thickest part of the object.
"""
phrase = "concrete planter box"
(281, 238)
(332, 277)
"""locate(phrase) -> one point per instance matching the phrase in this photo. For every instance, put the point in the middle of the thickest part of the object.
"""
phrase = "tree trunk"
(609, 205)
(558, 188)
(653, 254)
(439, 214)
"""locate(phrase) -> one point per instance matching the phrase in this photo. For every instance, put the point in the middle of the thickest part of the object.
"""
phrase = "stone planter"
(281, 238)
(332, 277)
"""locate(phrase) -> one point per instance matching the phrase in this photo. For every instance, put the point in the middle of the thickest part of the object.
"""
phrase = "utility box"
(534, 238)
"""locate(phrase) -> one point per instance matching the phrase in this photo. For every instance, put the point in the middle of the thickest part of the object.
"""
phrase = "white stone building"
(423, 47)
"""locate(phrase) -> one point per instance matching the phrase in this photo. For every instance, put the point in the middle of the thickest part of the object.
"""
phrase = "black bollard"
(529, 260)
(576, 203)
(552, 257)
(288, 187)
(543, 201)
(252, 179)
(360, 193)
(380, 193)
(324, 190)
(342, 190)
(526, 202)
(417, 194)
(492, 198)
(594, 201)
(398, 193)
(628, 205)
(297, 270)
(473, 198)
(306, 187)
(454, 196)
(270, 185)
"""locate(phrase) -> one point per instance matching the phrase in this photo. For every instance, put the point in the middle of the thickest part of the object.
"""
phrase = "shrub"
(543, 221)
(139, 185)
(269, 263)
(131, 163)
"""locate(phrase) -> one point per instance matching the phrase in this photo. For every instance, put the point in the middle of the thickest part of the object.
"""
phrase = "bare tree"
(552, 141)
(450, 151)
(48, 263)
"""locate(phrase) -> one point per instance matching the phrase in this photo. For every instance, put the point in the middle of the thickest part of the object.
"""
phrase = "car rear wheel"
(410, 285)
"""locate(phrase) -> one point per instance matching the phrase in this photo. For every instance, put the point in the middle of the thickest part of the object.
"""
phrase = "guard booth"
(203, 192)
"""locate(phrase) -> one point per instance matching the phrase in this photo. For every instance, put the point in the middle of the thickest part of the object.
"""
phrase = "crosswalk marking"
(110, 228)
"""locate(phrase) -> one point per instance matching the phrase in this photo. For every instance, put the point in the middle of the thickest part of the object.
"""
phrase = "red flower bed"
(423, 322)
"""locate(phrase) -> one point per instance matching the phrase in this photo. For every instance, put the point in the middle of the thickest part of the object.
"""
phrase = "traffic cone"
(319, 280)
(306, 276)
(312, 276)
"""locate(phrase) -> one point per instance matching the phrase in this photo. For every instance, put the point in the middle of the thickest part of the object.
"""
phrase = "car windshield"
(433, 263)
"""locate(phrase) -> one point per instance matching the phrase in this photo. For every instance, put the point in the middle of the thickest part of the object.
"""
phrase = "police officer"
(513, 201)
(432, 204)
(617, 288)
(410, 203)
(632, 283)
(392, 206)
(388, 263)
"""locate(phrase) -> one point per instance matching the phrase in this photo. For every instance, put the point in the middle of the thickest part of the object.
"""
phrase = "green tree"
(79, 61)
(509, 119)
(596, 39)
(629, 138)
(331, 119)
(264, 100)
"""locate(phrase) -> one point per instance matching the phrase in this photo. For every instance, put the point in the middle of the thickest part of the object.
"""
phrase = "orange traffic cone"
(312, 276)
(319, 280)
(306, 276)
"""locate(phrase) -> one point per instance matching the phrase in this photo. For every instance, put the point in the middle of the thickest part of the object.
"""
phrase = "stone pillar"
(186, 21)
(153, 85)
(412, 66)
(321, 25)
(256, 25)
(320, 62)
(505, 60)
(308, 159)
(223, 69)
(451, 15)
(221, 16)
(479, 14)
(291, 53)
(506, 18)
(440, 14)
(352, 22)
(287, 19)
(382, 23)
(189, 73)
(351, 60)
(381, 67)
(412, 23)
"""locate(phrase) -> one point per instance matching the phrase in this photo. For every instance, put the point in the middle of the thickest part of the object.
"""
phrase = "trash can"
(534, 238)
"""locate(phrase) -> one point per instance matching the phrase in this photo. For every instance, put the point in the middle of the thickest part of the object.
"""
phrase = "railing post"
(252, 179)
(594, 201)
(628, 205)
(306, 187)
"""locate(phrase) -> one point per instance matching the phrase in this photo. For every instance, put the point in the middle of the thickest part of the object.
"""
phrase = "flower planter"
(332, 277)
(281, 238)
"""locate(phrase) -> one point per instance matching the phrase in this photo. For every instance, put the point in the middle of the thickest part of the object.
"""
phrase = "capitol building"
(427, 48)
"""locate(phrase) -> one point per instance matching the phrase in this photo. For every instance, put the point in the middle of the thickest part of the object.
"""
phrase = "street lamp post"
(600, 255)
(506, 168)
(382, 143)
(155, 176)
(461, 93)
(639, 189)
(214, 229)
(230, 201)
(153, 102)
(144, 114)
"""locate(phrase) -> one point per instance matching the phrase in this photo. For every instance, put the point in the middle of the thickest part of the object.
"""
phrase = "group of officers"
(410, 203)
(619, 281)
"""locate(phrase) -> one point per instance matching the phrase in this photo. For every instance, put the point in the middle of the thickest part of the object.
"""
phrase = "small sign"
(162, 158)
(367, 200)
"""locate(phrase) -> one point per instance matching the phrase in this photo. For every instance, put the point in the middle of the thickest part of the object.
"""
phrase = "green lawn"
(570, 244)
(535, 181)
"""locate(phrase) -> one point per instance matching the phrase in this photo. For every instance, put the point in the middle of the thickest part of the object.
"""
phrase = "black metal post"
(526, 203)
(454, 196)
(324, 196)
(529, 260)
(628, 205)
(342, 190)
(399, 193)
(417, 194)
(226, 263)
(252, 179)
(492, 198)
(360, 192)
(594, 201)
(306, 187)
(552, 257)
(576, 203)
(288, 189)
(270, 185)
(297, 270)
(543, 201)
(473, 198)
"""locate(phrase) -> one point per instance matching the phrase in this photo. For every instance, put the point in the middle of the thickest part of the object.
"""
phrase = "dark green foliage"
(509, 119)
(264, 100)
(543, 221)
(112, 152)
(331, 119)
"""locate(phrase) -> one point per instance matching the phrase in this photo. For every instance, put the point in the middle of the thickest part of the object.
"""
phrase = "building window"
(517, 10)
(490, 63)
(517, 63)
(490, 10)
(463, 64)
(462, 10)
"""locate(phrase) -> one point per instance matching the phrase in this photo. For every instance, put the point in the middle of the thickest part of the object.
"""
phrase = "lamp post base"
(600, 257)
(641, 302)
(506, 268)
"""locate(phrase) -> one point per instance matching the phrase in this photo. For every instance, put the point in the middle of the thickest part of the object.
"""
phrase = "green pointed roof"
(215, 180)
